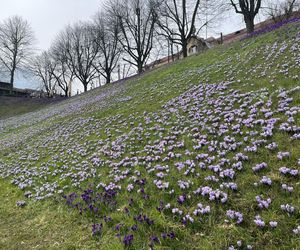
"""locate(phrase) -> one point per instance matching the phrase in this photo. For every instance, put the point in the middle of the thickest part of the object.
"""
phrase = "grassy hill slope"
(12, 106)
(202, 154)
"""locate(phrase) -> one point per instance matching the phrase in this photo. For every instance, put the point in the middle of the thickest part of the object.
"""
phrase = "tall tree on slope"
(80, 51)
(179, 20)
(137, 20)
(249, 9)
(16, 45)
(107, 32)
(175, 21)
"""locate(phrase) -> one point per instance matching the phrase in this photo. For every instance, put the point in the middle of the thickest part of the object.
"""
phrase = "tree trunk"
(12, 73)
(67, 92)
(249, 24)
(85, 87)
(172, 52)
(108, 77)
(140, 67)
(12, 77)
(184, 48)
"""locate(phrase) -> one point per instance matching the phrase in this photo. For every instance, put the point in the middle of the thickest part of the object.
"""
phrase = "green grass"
(50, 224)
(40, 225)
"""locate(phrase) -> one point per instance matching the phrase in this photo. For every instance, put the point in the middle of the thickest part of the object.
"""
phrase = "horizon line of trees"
(124, 31)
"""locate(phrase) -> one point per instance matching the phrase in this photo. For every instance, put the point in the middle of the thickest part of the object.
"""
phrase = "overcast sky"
(48, 17)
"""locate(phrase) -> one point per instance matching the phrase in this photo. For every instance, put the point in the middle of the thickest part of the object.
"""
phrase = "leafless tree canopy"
(79, 45)
(107, 32)
(42, 67)
(179, 20)
(16, 41)
(249, 9)
(281, 10)
(137, 20)
(63, 71)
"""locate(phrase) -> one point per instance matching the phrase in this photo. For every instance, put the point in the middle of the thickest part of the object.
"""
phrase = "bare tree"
(63, 72)
(107, 38)
(137, 20)
(177, 23)
(78, 42)
(249, 9)
(42, 67)
(181, 19)
(16, 44)
(281, 10)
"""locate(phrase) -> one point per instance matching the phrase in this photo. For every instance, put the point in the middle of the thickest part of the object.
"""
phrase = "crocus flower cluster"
(287, 188)
(288, 171)
(201, 209)
(266, 180)
(21, 203)
(296, 230)
(287, 208)
(233, 215)
(259, 221)
(283, 155)
(97, 229)
(272, 27)
(263, 203)
(259, 167)
(127, 240)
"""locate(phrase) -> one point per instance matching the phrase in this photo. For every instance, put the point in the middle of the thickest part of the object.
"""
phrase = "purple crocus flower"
(97, 229)
(296, 230)
(127, 240)
(259, 222)
(273, 224)
(181, 199)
